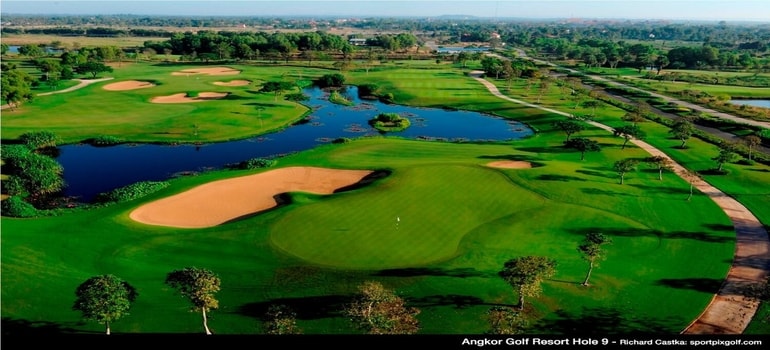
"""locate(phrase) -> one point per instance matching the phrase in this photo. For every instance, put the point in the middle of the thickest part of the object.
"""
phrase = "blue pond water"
(754, 103)
(90, 170)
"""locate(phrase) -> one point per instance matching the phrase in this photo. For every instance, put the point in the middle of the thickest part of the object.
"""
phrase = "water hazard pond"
(90, 170)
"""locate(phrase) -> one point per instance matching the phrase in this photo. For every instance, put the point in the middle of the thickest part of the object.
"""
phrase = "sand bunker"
(128, 85)
(218, 202)
(233, 83)
(510, 164)
(208, 71)
(182, 97)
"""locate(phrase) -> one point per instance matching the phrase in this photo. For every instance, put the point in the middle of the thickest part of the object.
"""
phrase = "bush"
(10, 153)
(330, 80)
(105, 140)
(39, 139)
(14, 206)
(256, 163)
(342, 140)
(131, 192)
(14, 186)
(297, 97)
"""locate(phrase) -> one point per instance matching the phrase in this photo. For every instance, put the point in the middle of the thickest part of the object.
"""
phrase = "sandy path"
(730, 311)
(221, 201)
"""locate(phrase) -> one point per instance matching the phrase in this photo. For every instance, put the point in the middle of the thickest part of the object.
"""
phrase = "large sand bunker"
(510, 164)
(128, 85)
(183, 98)
(232, 83)
(221, 201)
(208, 71)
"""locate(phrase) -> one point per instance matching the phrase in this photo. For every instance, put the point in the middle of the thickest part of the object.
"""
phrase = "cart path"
(729, 311)
(83, 83)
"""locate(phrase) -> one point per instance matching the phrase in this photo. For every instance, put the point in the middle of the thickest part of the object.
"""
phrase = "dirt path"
(730, 311)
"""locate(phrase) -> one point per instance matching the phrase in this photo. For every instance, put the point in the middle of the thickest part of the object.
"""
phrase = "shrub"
(342, 140)
(131, 192)
(14, 206)
(256, 163)
(105, 140)
(330, 80)
(9, 153)
(297, 96)
(389, 122)
(39, 139)
(192, 94)
(14, 186)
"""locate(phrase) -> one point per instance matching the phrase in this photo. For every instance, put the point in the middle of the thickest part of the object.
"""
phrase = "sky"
(710, 10)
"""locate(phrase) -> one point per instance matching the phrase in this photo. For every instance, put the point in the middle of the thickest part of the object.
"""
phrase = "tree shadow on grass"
(661, 189)
(596, 173)
(420, 271)
(23, 327)
(556, 177)
(705, 285)
(306, 308)
(456, 300)
(605, 321)
(637, 232)
(595, 191)
(756, 261)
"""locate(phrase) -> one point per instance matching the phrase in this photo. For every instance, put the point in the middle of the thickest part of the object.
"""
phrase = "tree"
(93, 68)
(15, 86)
(636, 115)
(525, 275)
(593, 104)
(751, 141)
(624, 166)
(691, 177)
(281, 320)
(660, 162)
(198, 286)
(104, 299)
(629, 132)
(591, 251)
(277, 87)
(378, 310)
(682, 130)
(504, 320)
(583, 145)
(569, 127)
(727, 154)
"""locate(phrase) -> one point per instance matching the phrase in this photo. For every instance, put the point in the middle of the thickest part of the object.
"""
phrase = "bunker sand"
(232, 83)
(510, 164)
(208, 71)
(127, 85)
(221, 201)
(182, 97)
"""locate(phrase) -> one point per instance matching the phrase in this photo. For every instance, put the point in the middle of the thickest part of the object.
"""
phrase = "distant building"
(357, 41)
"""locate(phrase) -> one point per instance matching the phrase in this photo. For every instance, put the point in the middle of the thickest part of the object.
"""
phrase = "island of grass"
(389, 122)
(336, 97)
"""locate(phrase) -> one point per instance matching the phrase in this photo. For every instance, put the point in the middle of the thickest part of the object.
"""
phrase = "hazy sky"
(753, 10)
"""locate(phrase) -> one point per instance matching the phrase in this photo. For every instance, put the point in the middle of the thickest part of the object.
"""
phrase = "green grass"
(460, 221)
(445, 252)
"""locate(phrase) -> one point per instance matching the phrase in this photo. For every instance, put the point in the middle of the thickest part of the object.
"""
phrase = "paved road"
(691, 106)
(730, 311)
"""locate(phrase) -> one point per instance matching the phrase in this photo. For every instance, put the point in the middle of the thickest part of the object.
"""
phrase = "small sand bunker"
(510, 164)
(183, 98)
(218, 202)
(208, 71)
(232, 83)
(128, 85)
